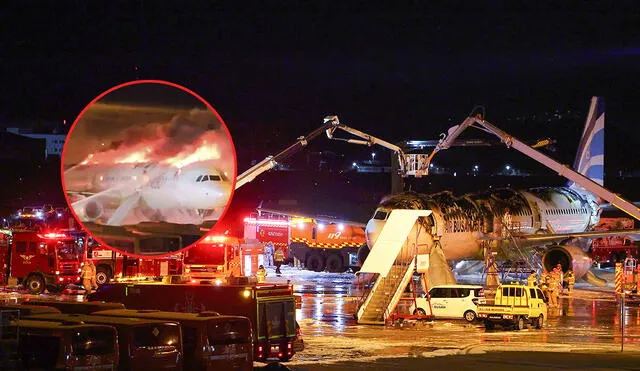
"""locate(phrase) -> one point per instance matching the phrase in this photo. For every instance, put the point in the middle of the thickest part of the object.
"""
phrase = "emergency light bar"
(52, 235)
(282, 223)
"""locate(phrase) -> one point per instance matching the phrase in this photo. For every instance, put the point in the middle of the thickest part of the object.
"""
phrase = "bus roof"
(49, 325)
(29, 310)
(104, 320)
(71, 307)
(163, 315)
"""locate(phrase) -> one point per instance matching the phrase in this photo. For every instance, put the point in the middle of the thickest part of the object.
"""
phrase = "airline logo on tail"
(590, 157)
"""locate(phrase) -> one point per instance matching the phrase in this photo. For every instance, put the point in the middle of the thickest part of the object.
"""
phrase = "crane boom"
(329, 126)
(562, 170)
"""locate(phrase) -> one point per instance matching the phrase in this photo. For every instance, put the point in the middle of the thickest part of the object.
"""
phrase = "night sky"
(274, 71)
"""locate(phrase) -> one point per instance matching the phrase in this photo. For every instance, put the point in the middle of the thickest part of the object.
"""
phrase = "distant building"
(53, 142)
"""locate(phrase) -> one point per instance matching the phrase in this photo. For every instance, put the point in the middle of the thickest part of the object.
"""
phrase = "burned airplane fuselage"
(461, 224)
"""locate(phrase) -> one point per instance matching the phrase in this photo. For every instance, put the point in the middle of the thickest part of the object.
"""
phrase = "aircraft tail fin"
(590, 157)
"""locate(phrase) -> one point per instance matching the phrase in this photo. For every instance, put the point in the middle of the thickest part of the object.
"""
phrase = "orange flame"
(206, 151)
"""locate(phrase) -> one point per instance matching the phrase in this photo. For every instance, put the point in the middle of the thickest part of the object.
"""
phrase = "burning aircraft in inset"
(140, 182)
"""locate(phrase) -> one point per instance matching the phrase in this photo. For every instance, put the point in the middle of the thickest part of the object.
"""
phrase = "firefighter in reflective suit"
(261, 274)
(88, 274)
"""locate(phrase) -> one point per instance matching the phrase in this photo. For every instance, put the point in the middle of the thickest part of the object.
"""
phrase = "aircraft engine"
(570, 257)
(93, 210)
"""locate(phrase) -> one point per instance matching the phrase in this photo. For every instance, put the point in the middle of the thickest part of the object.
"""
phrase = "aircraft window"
(214, 177)
(199, 178)
(380, 215)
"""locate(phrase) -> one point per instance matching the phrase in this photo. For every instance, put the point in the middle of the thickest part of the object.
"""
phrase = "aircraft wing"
(556, 237)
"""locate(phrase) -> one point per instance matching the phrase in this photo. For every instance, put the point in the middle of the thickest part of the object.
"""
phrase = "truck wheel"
(539, 322)
(103, 275)
(334, 264)
(470, 316)
(35, 284)
(489, 325)
(520, 323)
(315, 262)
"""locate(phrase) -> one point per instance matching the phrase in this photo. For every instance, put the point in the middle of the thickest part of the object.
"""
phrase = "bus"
(144, 344)
(47, 345)
(269, 307)
(210, 341)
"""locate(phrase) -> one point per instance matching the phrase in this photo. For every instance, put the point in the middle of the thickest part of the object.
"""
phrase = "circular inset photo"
(148, 168)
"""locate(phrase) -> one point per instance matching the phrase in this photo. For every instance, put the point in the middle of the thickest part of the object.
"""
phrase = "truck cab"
(38, 259)
(514, 305)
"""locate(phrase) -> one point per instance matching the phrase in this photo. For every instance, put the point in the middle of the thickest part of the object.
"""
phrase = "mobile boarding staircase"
(394, 274)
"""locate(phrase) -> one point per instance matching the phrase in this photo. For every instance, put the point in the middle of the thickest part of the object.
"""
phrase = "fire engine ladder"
(393, 275)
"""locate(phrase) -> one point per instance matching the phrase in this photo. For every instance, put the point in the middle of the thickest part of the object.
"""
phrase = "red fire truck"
(37, 260)
(270, 307)
(214, 256)
(612, 249)
(111, 264)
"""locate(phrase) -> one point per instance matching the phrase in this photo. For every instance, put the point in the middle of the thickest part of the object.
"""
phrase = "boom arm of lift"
(563, 170)
(330, 125)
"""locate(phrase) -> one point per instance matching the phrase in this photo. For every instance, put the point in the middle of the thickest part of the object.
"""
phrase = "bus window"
(156, 337)
(94, 342)
(275, 312)
(290, 317)
(189, 341)
(39, 351)
(262, 320)
(226, 330)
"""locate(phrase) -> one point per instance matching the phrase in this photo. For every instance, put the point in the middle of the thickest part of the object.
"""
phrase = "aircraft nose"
(219, 194)
(372, 231)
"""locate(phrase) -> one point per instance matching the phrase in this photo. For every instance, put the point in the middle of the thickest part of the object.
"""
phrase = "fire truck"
(111, 264)
(214, 257)
(318, 244)
(612, 249)
(269, 307)
(39, 259)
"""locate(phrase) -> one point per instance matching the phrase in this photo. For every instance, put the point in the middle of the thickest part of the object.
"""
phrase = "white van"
(451, 301)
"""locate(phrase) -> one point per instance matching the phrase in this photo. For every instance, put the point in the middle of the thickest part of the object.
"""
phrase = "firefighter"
(94, 273)
(86, 273)
(571, 281)
(531, 280)
(261, 274)
(268, 252)
(560, 276)
(552, 283)
(278, 258)
(544, 285)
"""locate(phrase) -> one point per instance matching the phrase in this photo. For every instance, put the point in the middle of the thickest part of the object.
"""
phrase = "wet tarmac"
(587, 322)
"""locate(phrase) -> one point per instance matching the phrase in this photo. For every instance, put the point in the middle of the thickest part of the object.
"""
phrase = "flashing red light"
(52, 235)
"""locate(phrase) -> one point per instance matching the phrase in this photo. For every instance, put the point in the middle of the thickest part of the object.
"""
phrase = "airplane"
(545, 219)
(130, 193)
